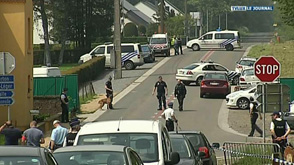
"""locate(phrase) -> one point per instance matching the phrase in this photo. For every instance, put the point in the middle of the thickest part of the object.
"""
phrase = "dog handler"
(169, 116)
(109, 91)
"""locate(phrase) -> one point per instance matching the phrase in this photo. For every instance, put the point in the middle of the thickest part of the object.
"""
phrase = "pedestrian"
(179, 42)
(33, 136)
(12, 134)
(57, 136)
(64, 105)
(180, 93)
(176, 46)
(169, 116)
(162, 91)
(71, 136)
(280, 130)
(172, 43)
(109, 91)
(253, 111)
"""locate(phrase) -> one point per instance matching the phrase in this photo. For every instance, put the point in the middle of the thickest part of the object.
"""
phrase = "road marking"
(158, 114)
(247, 50)
(207, 55)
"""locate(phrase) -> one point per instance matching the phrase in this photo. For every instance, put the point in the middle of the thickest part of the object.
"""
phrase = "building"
(16, 22)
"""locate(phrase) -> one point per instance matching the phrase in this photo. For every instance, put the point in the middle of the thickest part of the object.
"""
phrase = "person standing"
(169, 116)
(162, 91)
(12, 135)
(57, 136)
(172, 44)
(64, 105)
(33, 136)
(176, 46)
(253, 117)
(109, 91)
(179, 42)
(71, 136)
(180, 93)
(280, 130)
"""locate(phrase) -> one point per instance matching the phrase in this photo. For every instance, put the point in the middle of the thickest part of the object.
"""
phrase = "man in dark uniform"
(280, 130)
(64, 106)
(12, 135)
(162, 91)
(109, 91)
(71, 136)
(180, 45)
(180, 93)
(253, 117)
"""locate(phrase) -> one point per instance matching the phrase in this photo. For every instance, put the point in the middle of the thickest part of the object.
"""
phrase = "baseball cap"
(275, 113)
(170, 104)
(56, 121)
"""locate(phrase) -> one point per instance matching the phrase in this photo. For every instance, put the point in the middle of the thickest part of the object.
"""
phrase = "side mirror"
(215, 145)
(174, 158)
(201, 38)
(201, 154)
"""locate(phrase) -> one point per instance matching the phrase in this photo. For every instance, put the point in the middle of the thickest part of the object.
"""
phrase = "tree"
(287, 11)
(130, 30)
(175, 25)
(152, 29)
(142, 30)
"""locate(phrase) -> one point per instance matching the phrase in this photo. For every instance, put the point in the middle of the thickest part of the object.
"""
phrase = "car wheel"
(195, 47)
(201, 95)
(235, 80)
(198, 81)
(229, 47)
(129, 65)
(186, 82)
(167, 53)
(243, 103)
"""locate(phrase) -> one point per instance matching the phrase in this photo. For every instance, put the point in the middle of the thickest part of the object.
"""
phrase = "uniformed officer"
(169, 116)
(109, 91)
(71, 136)
(280, 130)
(180, 93)
(162, 91)
(253, 117)
(64, 105)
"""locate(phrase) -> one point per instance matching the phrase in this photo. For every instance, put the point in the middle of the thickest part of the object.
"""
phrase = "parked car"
(14, 155)
(200, 143)
(130, 55)
(183, 146)
(245, 63)
(147, 54)
(97, 154)
(241, 98)
(215, 84)
(159, 43)
(45, 71)
(289, 117)
(150, 139)
(248, 78)
(195, 72)
(226, 39)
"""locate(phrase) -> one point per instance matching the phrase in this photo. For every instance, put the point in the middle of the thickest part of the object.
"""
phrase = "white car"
(195, 72)
(248, 78)
(241, 99)
(245, 63)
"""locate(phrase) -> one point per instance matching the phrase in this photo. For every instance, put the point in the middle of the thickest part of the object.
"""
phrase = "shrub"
(89, 70)
(130, 30)
(142, 30)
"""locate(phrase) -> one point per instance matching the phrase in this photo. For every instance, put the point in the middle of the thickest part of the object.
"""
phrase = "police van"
(130, 53)
(226, 39)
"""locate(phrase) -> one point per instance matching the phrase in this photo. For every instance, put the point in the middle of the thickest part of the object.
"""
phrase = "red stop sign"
(267, 68)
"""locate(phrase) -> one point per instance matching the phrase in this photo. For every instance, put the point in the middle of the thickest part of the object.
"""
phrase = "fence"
(52, 86)
(251, 153)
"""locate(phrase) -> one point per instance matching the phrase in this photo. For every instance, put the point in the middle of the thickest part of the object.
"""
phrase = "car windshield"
(196, 140)
(90, 157)
(180, 145)
(145, 48)
(144, 144)
(248, 72)
(215, 76)
(191, 67)
(19, 160)
(158, 41)
(247, 62)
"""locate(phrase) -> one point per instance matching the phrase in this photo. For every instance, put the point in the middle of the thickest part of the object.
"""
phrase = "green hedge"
(89, 70)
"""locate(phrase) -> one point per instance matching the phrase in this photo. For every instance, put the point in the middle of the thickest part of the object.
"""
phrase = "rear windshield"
(127, 49)
(191, 67)
(196, 140)
(158, 41)
(215, 76)
(248, 72)
(180, 146)
(247, 62)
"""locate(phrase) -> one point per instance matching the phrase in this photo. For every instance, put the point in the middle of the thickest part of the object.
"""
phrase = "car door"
(206, 41)
(108, 55)
(220, 69)
(211, 150)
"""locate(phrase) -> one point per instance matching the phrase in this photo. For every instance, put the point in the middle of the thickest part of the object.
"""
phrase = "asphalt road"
(199, 113)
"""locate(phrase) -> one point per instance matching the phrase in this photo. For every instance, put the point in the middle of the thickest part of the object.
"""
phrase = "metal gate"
(250, 153)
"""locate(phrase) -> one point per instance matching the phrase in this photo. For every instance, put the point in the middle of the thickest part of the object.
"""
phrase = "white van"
(216, 39)
(46, 72)
(130, 52)
(150, 139)
(159, 43)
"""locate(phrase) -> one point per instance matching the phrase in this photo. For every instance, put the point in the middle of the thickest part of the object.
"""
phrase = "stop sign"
(267, 68)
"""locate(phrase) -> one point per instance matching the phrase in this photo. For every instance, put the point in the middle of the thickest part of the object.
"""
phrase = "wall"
(47, 104)
(16, 21)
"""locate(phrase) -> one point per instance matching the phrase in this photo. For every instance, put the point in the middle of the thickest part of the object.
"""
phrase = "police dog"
(104, 101)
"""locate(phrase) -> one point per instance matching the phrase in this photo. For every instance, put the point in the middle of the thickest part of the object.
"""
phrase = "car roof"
(176, 136)
(248, 58)
(115, 148)
(185, 132)
(202, 63)
(159, 36)
(224, 31)
(20, 151)
(121, 126)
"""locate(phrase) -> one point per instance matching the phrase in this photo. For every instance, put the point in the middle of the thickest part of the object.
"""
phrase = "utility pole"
(117, 40)
(226, 20)
(219, 21)
(207, 20)
(162, 12)
(186, 21)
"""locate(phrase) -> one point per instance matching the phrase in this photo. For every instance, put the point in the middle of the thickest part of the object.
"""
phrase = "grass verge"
(283, 52)
(87, 99)
(2, 140)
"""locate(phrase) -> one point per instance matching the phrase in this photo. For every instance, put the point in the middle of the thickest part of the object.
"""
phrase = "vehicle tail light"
(240, 66)
(205, 150)
(242, 79)
(190, 72)
(226, 84)
(139, 56)
(202, 84)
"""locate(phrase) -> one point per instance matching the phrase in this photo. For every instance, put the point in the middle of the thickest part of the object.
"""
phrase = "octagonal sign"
(267, 68)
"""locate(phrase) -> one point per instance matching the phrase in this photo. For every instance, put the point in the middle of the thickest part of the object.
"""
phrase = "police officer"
(280, 130)
(169, 116)
(109, 91)
(162, 91)
(64, 105)
(253, 117)
(180, 93)
(71, 136)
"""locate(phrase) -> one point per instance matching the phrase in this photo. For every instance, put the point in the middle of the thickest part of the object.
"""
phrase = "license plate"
(181, 72)
(214, 83)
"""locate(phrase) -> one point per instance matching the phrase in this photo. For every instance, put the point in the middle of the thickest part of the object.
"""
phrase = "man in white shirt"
(169, 116)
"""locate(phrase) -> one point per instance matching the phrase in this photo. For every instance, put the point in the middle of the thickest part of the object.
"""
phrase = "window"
(15, 160)
(208, 68)
(220, 68)
(165, 151)
(100, 50)
(158, 41)
(253, 90)
(224, 36)
(247, 62)
(135, 158)
(191, 67)
(215, 76)
(248, 72)
(50, 159)
(127, 49)
(109, 48)
(179, 145)
(207, 37)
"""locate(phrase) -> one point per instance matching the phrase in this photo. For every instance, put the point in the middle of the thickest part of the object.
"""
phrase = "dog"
(104, 101)
(289, 154)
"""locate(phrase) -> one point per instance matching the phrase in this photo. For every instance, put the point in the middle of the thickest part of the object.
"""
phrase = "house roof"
(166, 1)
